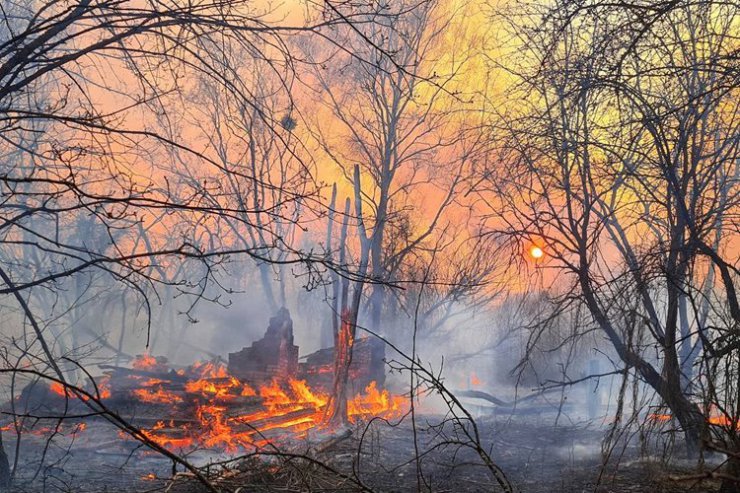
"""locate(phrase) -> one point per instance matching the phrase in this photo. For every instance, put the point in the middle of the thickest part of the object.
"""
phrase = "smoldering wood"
(274, 357)
(367, 365)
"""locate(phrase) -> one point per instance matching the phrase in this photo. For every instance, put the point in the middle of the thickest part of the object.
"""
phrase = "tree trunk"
(667, 384)
(731, 484)
(341, 287)
(337, 409)
(4, 466)
(692, 422)
(328, 333)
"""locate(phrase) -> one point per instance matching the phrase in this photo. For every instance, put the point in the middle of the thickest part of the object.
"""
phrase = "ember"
(158, 395)
(715, 418)
(59, 389)
(659, 417)
(145, 362)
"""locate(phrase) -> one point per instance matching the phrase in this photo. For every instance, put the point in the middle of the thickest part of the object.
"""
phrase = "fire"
(145, 362)
(215, 410)
(474, 380)
(290, 407)
(60, 389)
(220, 388)
(715, 418)
(151, 382)
(301, 390)
(719, 418)
(164, 441)
(210, 370)
(375, 403)
(104, 388)
(35, 429)
(156, 396)
(248, 391)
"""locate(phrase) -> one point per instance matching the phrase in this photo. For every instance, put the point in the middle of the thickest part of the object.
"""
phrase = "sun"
(536, 252)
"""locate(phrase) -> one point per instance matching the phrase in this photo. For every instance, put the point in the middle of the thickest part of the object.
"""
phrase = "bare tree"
(395, 131)
(621, 162)
(90, 93)
(262, 170)
(395, 117)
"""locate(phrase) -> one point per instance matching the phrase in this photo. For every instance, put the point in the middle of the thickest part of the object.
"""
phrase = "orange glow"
(219, 387)
(718, 418)
(151, 382)
(474, 380)
(276, 411)
(104, 388)
(59, 389)
(714, 418)
(536, 252)
(210, 370)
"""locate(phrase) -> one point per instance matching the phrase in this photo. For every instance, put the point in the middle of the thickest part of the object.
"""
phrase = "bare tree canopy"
(369, 245)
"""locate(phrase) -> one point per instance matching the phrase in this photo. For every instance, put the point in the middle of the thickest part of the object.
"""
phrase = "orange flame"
(156, 396)
(281, 409)
(144, 362)
(375, 403)
(60, 389)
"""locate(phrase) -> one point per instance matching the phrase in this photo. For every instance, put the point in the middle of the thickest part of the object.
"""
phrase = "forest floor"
(537, 458)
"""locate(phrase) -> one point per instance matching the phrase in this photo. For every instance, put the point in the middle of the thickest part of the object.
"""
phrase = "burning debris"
(262, 397)
(204, 406)
(275, 358)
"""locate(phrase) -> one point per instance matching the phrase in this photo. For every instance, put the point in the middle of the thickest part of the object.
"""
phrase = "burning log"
(208, 410)
(337, 411)
(287, 420)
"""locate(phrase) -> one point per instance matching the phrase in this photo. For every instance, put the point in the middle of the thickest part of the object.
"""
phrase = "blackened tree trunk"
(4, 466)
(336, 413)
(337, 409)
(328, 334)
(731, 483)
